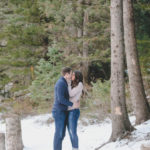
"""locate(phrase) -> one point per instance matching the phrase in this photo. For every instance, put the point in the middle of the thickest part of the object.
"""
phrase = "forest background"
(39, 37)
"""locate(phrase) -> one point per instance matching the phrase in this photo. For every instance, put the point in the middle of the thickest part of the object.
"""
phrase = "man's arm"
(60, 93)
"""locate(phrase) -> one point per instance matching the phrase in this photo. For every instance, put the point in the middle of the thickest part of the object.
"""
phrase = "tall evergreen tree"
(138, 97)
(85, 43)
(120, 120)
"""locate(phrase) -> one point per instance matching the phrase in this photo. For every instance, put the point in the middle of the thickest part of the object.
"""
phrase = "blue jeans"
(73, 117)
(60, 118)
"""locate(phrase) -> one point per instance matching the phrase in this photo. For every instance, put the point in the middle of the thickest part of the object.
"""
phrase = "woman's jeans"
(60, 118)
(73, 117)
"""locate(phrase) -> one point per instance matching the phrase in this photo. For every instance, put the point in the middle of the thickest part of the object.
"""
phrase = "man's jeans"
(72, 126)
(60, 118)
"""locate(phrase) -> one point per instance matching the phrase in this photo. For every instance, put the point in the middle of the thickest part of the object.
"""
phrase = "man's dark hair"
(66, 70)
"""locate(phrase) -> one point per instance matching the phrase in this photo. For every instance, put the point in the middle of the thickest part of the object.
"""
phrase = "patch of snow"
(38, 135)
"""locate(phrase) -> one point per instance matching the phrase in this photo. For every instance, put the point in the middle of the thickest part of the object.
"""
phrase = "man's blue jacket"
(61, 99)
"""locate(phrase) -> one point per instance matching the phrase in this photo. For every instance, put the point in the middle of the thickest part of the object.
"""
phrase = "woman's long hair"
(78, 78)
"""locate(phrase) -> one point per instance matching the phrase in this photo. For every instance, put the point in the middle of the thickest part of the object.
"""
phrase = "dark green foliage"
(31, 26)
(46, 74)
(144, 53)
(4, 80)
(101, 90)
(25, 35)
(142, 15)
(68, 19)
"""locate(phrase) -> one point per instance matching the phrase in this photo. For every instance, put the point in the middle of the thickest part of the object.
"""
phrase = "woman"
(75, 91)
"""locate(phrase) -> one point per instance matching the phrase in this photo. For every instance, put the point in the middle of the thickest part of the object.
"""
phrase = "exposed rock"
(8, 87)
(1, 98)
(21, 95)
(6, 91)
(3, 43)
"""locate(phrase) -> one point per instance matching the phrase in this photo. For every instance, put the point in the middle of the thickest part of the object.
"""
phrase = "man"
(60, 106)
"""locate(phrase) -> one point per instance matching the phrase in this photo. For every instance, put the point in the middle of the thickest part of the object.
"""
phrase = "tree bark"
(2, 141)
(13, 134)
(120, 121)
(138, 96)
(85, 63)
(83, 32)
(145, 147)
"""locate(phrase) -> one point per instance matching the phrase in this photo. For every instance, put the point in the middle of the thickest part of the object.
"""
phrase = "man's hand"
(76, 105)
(69, 82)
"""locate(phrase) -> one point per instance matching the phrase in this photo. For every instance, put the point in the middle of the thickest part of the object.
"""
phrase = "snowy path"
(37, 135)
(42, 135)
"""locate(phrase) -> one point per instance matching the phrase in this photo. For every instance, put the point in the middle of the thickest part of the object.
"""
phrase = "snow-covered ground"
(38, 135)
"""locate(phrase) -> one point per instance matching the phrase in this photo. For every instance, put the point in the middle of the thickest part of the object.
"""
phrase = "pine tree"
(138, 97)
(120, 121)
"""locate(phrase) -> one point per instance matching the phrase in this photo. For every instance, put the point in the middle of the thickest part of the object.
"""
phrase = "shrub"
(46, 72)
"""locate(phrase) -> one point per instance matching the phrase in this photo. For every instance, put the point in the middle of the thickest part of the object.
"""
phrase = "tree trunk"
(2, 141)
(140, 103)
(120, 120)
(83, 31)
(145, 146)
(85, 63)
(13, 134)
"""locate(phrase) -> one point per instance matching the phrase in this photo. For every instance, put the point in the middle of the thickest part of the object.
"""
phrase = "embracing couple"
(65, 111)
